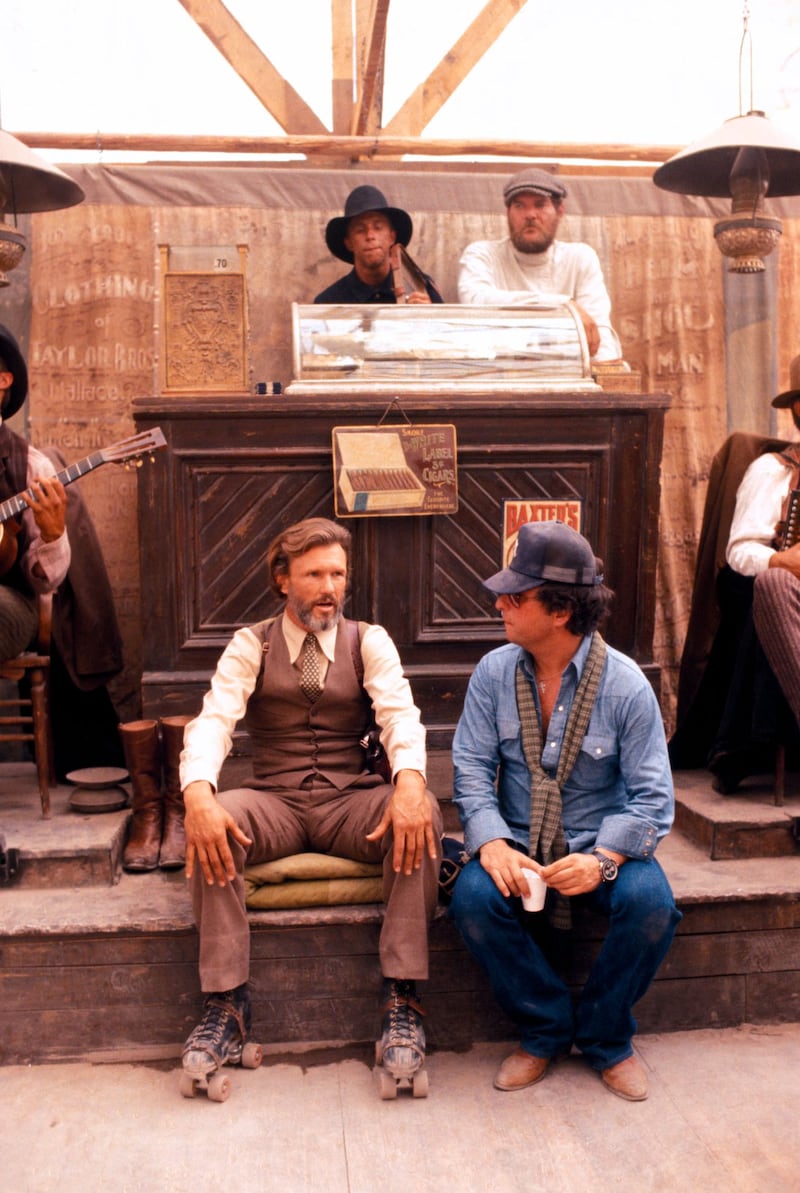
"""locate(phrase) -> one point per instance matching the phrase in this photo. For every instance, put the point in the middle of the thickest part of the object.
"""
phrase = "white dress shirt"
(207, 739)
(759, 505)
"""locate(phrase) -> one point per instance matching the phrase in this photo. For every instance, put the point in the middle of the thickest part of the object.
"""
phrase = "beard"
(523, 245)
(316, 622)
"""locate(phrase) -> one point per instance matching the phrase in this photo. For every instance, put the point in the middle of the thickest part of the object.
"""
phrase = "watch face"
(608, 869)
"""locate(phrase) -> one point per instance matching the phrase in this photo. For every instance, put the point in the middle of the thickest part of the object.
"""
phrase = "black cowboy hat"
(790, 396)
(15, 363)
(359, 201)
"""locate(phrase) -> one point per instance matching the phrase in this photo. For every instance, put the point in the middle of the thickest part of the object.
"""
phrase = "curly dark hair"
(297, 539)
(588, 606)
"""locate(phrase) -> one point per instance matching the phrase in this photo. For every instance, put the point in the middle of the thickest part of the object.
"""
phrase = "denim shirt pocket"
(597, 765)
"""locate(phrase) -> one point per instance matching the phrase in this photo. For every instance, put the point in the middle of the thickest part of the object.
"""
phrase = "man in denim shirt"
(616, 804)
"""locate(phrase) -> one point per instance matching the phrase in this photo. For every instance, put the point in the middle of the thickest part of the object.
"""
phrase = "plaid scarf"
(546, 831)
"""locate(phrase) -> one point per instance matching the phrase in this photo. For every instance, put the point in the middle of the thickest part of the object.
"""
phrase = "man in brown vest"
(297, 683)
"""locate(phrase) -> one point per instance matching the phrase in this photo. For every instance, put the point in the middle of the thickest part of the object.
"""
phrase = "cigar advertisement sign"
(517, 512)
(407, 469)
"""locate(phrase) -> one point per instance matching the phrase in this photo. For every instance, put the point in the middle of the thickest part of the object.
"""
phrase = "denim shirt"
(619, 795)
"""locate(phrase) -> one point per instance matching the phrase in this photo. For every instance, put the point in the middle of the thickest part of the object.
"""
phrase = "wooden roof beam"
(267, 84)
(368, 111)
(343, 83)
(373, 148)
(423, 104)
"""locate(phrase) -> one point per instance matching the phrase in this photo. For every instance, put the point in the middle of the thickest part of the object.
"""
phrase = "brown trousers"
(316, 817)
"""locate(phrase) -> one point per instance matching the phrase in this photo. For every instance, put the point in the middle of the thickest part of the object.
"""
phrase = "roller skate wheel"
(420, 1084)
(387, 1084)
(188, 1085)
(252, 1056)
(219, 1087)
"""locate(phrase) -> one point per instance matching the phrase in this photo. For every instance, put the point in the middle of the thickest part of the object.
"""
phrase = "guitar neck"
(17, 505)
(791, 527)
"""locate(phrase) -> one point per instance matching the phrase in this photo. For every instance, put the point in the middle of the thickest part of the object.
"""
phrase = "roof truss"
(357, 69)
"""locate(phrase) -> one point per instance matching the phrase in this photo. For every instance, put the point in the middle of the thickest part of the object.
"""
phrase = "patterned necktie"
(310, 683)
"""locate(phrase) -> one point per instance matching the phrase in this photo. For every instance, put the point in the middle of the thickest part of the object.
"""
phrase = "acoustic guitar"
(124, 452)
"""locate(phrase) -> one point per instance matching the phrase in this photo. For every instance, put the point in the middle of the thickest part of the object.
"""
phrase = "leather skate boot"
(401, 1049)
(221, 1034)
(172, 854)
(142, 747)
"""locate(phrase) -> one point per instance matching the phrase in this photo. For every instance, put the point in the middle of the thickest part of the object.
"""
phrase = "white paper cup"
(538, 889)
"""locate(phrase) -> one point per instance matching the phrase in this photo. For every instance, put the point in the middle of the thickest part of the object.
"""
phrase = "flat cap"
(538, 181)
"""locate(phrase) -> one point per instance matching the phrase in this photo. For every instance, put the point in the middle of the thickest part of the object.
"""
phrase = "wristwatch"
(608, 867)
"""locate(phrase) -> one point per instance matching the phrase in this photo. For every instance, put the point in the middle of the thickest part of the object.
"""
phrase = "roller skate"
(400, 1052)
(219, 1039)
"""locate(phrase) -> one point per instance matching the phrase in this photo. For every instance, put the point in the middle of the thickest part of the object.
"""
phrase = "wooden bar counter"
(237, 469)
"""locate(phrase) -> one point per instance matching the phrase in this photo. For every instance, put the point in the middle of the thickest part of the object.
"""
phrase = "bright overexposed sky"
(616, 71)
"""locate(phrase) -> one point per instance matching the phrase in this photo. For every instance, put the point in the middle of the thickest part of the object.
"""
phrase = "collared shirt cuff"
(637, 840)
(194, 774)
(409, 760)
(483, 827)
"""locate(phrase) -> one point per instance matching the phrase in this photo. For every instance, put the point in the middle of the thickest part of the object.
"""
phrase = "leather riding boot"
(173, 837)
(142, 747)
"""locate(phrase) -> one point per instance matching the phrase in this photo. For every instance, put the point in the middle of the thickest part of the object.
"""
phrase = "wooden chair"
(27, 717)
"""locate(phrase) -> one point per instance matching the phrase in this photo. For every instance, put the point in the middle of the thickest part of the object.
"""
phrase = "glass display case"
(388, 348)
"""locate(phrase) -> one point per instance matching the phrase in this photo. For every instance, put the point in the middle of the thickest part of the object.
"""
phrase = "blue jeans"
(642, 920)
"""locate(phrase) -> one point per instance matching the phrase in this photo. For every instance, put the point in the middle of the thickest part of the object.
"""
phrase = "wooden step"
(109, 969)
(744, 825)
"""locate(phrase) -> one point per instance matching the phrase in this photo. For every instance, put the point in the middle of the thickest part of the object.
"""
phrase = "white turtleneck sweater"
(494, 273)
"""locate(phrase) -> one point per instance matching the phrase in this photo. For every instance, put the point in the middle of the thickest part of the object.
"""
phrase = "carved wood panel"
(238, 472)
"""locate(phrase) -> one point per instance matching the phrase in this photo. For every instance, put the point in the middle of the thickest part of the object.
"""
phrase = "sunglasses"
(518, 598)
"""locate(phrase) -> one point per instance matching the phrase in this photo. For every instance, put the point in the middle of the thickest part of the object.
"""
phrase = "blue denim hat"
(547, 551)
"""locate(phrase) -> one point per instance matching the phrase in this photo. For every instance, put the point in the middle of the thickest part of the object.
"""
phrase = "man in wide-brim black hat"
(366, 237)
(34, 551)
(762, 574)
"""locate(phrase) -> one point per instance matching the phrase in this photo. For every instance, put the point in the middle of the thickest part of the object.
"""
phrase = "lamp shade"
(29, 183)
(704, 167)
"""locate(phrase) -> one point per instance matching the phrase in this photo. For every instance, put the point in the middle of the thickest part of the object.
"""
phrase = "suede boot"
(173, 838)
(142, 747)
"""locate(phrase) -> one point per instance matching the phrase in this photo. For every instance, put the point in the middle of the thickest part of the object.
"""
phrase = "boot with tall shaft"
(142, 746)
(173, 838)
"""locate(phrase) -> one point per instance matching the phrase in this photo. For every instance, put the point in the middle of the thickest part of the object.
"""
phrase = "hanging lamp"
(27, 184)
(748, 159)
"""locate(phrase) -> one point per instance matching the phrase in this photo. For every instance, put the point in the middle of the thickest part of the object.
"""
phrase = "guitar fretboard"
(791, 530)
(16, 505)
(118, 453)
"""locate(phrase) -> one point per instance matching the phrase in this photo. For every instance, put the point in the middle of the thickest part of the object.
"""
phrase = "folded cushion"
(312, 880)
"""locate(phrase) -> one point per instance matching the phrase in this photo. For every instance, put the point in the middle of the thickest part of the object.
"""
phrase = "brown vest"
(293, 738)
